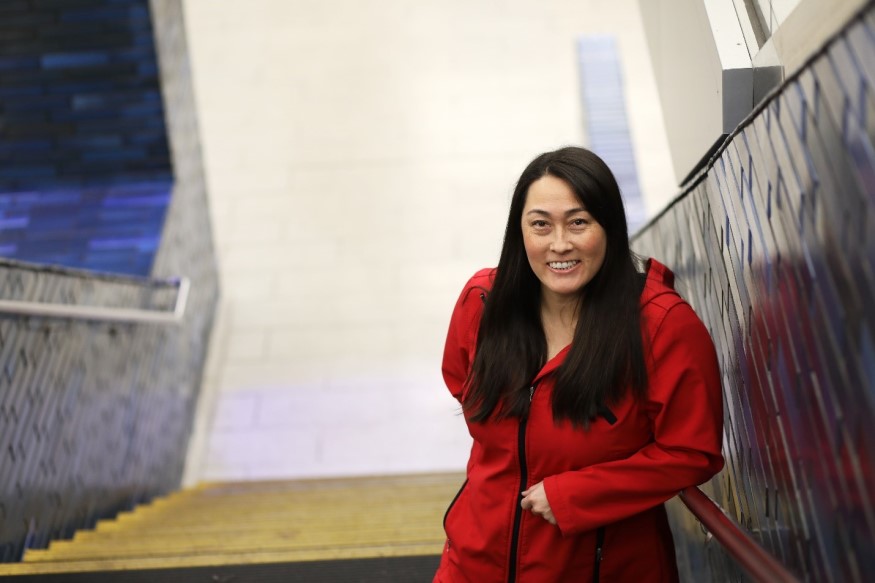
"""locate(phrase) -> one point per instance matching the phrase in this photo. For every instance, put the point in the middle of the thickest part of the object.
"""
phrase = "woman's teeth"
(562, 264)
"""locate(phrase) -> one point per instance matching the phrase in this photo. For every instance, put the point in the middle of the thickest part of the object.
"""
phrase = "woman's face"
(564, 244)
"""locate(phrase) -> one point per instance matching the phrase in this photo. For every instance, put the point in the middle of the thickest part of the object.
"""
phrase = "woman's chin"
(563, 288)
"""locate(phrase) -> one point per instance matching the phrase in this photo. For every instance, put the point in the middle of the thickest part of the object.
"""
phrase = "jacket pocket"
(453, 503)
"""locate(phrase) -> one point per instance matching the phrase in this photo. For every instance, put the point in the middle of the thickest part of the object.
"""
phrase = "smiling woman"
(591, 390)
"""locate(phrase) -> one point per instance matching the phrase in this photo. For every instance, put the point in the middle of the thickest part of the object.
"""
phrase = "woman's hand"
(535, 499)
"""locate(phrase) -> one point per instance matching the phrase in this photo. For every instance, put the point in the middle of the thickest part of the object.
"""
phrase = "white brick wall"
(360, 157)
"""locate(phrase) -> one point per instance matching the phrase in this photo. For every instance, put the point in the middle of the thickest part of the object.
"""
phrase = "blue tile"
(27, 172)
(73, 60)
(19, 91)
(96, 141)
(14, 63)
(110, 13)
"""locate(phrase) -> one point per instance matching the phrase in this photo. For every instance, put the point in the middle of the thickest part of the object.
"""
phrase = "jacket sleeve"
(462, 335)
(685, 406)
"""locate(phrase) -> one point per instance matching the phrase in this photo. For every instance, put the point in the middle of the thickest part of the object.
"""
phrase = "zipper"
(599, 543)
(518, 515)
(453, 503)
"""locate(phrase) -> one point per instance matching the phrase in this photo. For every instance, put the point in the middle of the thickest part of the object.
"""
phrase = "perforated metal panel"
(775, 248)
(95, 416)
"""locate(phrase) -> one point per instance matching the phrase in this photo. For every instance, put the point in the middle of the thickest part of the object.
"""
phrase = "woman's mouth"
(562, 265)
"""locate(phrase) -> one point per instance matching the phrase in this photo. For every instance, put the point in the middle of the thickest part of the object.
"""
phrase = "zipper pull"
(531, 393)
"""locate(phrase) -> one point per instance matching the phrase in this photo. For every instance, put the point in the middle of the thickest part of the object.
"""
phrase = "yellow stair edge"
(247, 528)
(212, 560)
(244, 546)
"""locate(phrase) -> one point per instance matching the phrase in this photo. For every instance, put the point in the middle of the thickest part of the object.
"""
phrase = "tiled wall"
(97, 417)
(775, 248)
(85, 171)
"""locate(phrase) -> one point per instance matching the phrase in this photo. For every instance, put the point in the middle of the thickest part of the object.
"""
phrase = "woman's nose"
(560, 243)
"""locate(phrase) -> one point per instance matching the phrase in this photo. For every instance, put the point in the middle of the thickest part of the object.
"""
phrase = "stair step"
(261, 522)
(250, 526)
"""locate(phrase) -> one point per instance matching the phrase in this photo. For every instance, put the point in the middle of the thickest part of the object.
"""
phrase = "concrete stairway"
(261, 522)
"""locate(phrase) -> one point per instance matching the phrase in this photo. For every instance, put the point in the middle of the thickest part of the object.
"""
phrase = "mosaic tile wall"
(94, 417)
(85, 170)
(775, 248)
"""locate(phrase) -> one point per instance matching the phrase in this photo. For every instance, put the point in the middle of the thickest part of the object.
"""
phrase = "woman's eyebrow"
(544, 213)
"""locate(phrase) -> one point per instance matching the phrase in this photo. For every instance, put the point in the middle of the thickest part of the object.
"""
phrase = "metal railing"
(99, 313)
(751, 556)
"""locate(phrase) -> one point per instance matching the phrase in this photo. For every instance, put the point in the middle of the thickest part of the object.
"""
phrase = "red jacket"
(606, 485)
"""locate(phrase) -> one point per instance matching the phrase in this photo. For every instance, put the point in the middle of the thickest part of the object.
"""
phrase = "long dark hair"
(606, 358)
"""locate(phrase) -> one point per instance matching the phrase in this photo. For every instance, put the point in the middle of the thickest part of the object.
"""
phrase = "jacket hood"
(659, 280)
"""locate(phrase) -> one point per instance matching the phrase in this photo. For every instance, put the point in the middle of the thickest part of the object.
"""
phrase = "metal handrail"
(751, 556)
(101, 313)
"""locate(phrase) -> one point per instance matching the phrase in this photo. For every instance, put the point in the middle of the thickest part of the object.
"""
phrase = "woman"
(592, 393)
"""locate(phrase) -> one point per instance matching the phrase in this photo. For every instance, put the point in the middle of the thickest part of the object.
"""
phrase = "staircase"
(305, 523)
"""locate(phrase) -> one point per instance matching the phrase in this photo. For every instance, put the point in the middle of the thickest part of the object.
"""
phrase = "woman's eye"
(539, 224)
(579, 222)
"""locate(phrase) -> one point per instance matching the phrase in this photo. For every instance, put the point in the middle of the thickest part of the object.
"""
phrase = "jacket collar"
(551, 365)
